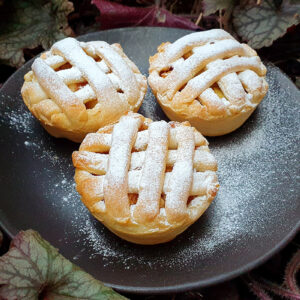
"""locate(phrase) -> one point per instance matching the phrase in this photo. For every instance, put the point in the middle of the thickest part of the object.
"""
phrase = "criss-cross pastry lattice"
(146, 181)
(209, 79)
(78, 87)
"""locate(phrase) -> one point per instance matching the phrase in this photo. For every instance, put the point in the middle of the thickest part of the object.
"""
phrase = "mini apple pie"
(77, 88)
(146, 181)
(209, 79)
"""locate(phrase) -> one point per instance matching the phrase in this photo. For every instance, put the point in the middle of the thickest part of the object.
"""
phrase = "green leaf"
(31, 23)
(211, 6)
(262, 24)
(33, 268)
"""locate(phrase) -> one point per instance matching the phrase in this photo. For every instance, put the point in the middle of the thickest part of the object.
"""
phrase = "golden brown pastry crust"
(208, 79)
(146, 181)
(77, 88)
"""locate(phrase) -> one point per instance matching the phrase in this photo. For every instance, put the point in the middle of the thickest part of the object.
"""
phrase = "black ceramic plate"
(255, 213)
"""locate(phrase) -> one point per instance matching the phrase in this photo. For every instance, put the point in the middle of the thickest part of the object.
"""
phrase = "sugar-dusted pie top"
(143, 172)
(84, 85)
(207, 74)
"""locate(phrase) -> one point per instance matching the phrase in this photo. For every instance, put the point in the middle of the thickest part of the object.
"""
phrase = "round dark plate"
(255, 213)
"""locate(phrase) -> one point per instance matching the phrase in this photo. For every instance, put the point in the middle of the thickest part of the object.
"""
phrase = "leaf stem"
(199, 18)
(290, 273)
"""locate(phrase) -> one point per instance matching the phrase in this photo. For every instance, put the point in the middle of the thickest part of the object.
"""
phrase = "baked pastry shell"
(159, 230)
(57, 124)
(156, 232)
(60, 128)
(213, 121)
(209, 127)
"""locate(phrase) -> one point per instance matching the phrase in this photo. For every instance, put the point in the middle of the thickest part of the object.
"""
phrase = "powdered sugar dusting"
(232, 216)
(126, 77)
(182, 174)
(123, 137)
(177, 49)
(54, 86)
(100, 83)
(18, 119)
(200, 83)
(183, 70)
(21, 121)
(153, 171)
(186, 69)
(150, 107)
(247, 200)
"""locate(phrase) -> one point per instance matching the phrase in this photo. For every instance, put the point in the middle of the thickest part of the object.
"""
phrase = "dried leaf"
(30, 23)
(211, 6)
(113, 15)
(262, 24)
(33, 267)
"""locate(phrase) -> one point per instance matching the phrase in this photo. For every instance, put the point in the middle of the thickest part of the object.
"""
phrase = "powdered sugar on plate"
(244, 177)
(150, 107)
(18, 119)
(254, 185)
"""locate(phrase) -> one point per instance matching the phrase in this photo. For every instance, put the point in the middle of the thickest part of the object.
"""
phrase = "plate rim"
(184, 286)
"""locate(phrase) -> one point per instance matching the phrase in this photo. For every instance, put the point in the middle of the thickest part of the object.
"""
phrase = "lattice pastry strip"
(186, 44)
(112, 64)
(138, 177)
(101, 142)
(216, 71)
(99, 82)
(84, 86)
(59, 92)
(181, 176)
(116, 180)
(200, 184)
(209, 79)
(153, 173)
(96, 163)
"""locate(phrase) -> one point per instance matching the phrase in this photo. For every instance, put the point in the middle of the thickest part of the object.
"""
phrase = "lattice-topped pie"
(146, 181)
(77, 88)
(209, 79)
